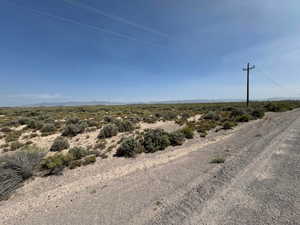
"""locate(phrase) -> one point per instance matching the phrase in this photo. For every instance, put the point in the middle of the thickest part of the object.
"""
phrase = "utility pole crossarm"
(250, 68)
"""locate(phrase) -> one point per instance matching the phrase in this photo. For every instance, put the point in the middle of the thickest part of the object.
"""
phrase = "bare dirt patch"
(2, 142)
(168, 126)
(195, 118)
(18, 128)
(44, 142)
(87, 140)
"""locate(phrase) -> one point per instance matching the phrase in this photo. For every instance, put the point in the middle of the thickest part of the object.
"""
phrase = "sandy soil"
(89, 139)
(44, 142)
(168, 126)
(85, 139)
(18, 128)
(2, 142)
(195, 118)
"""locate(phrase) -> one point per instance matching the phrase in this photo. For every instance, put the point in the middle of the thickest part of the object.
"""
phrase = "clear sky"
(144, 50)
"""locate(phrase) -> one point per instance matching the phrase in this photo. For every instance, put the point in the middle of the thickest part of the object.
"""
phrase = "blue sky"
(144, 50)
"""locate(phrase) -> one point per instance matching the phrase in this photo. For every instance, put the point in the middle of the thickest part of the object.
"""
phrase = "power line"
(275, 83)
(92, 27)
(117, 18)
(270, 79)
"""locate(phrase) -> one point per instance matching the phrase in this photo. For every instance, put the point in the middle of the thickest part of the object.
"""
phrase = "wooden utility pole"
(248, 73)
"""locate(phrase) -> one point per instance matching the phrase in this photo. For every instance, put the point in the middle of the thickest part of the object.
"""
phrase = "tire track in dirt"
(196, 199)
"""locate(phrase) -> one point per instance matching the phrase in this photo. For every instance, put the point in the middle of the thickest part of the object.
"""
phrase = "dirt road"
(259, 183)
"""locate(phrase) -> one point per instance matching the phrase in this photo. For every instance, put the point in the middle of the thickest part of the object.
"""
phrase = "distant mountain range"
(79, 103)
(89, 103)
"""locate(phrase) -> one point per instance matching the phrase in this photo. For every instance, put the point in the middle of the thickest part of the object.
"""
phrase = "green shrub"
(217, 160)
(203, 126)
(228, 125)
(203, 134)
(24, 121)
(155, 140)
(16, 168)
(108, 119)
(4, 145)
(74, 126)
(28, 143)
(73, 120)
(56, 163)
(33, 124)
(180, 121)
(224, 116)
(74, 164)
(91, 129)
(169, 115)
(11, 123)
(110, 148)
(25, 160)
(78, 152)
(258, 113)
(92, 123)
(5, 130)
(211, 116)
(71, 130)
(236, 112)
(89, 159)
(95, 152)
(188, 132)
(124, 126)
(129, 147)
(100, 145)
(15, 145)
(103, 156)
(10, 180)
(32, 112)
(243, 118)
(134, 119)
(272, 107)
(44, 117)
(13, 136)
(185, 116)
(149, 119)
(48, 128)
(108, 131)
(33, 135)
(59, 144)
(176, 138)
